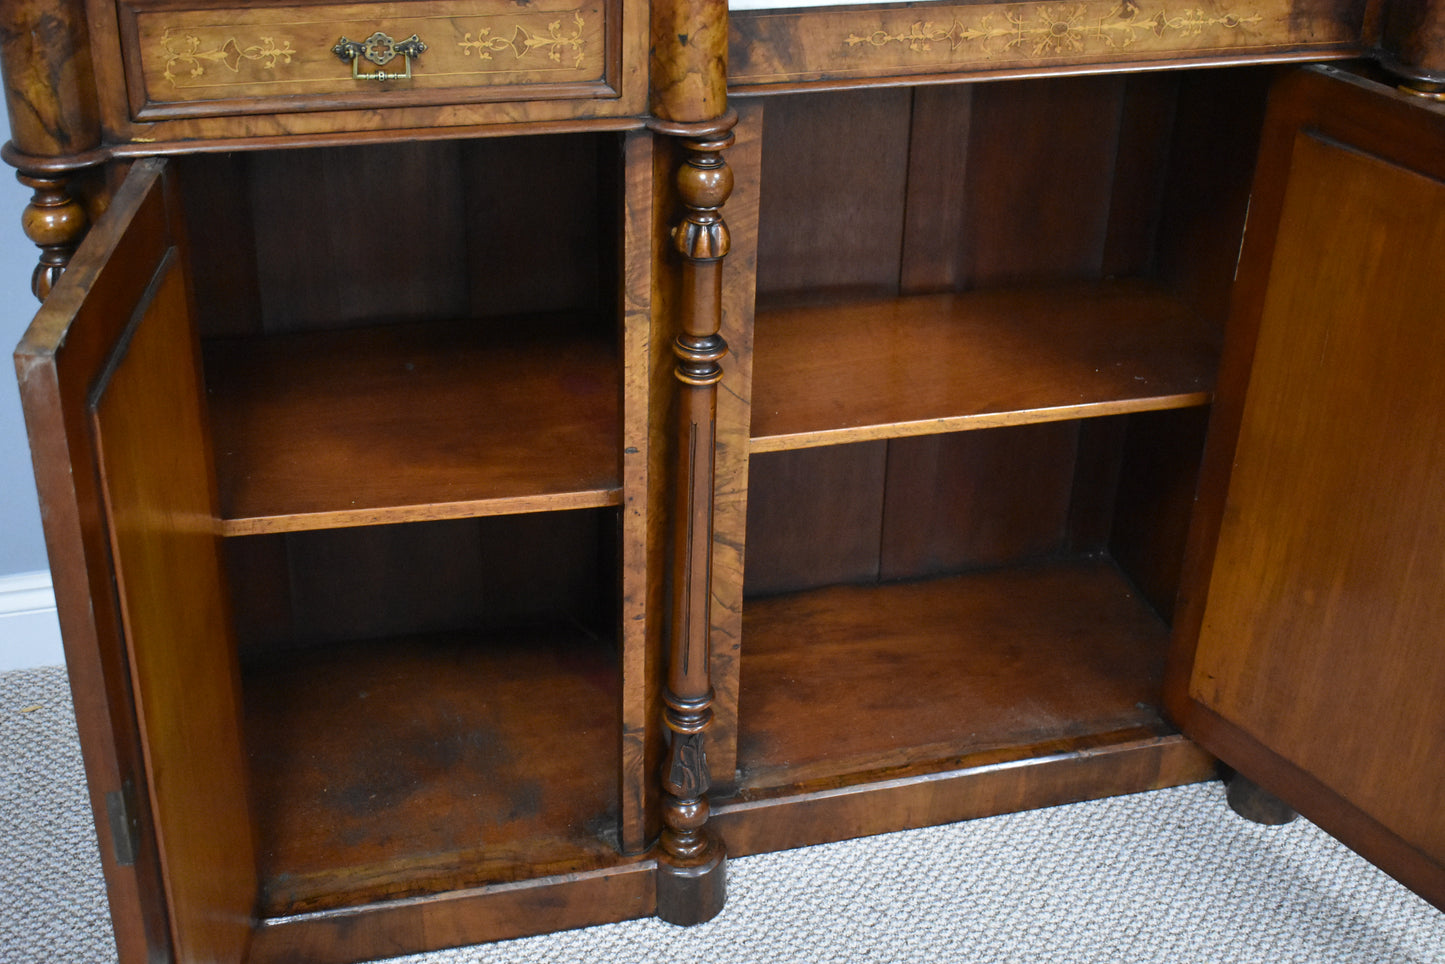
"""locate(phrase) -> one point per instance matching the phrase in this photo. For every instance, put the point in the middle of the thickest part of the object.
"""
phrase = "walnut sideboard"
(500, 459)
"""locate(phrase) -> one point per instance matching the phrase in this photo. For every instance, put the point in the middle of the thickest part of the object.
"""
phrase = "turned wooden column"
(689, 102)
(1412, 44)
(54, 121)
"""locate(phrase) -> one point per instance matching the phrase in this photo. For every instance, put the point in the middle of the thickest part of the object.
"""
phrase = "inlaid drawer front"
(783, 48)
(189, 61)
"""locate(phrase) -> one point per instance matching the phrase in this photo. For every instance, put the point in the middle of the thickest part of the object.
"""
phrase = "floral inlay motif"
(186, 58)
(1054, 29)
(554, 42)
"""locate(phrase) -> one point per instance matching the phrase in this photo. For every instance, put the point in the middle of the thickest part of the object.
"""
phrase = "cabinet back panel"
(1017, 182)
(815, 517)
(348, 235)
(834, 174)
(369, 582)
(1041, 165)
(974, 500)
(1155, 498)
(337, 237)
(1216, 135)
(925, 506)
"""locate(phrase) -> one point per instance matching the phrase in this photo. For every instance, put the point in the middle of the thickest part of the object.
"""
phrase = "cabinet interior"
(987, 323)
(413, 366)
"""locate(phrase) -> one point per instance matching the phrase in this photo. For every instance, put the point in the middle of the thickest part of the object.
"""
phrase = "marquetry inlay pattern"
(265, 56)
(554, 42)
(188, 55)
(1053, 29)
(783, 47)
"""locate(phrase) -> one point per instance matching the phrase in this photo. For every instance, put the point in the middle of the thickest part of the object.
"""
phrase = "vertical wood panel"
(937, 210)
(1140, 169)
(814, 517)
(60, 357)
(1096, 481)
(1321, 635)
(643, 544)
(223, 243)
(1216, 136)
(535, 210)
(1041, 166)
(160, 498)
(975, 499)
(1158, 480)
(734, 411)
(349, 235)
(833, 184)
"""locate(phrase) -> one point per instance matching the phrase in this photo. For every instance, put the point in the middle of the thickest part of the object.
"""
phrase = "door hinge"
(124, 826)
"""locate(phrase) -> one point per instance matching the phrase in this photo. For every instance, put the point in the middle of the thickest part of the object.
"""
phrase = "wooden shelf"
(422, 765)
(922, 365)
(413, 422)
(855, 684)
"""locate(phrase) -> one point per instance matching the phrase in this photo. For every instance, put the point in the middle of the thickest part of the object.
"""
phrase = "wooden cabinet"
(980, 374)
(464, 536)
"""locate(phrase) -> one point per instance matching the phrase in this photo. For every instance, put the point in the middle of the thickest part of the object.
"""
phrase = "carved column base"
(692, 893)
(1253, 802)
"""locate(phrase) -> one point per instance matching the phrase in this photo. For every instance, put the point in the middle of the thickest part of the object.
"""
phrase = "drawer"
(189, 59)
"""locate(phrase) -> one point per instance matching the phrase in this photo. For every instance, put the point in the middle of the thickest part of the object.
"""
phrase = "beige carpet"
(1171, 877)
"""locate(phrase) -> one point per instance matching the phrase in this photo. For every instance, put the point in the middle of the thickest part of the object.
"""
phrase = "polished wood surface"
(347, 815)
(1321, 485)
(1082, 770)
(407, 423)
(1051, 259)
(159, 492)
(692, 872)
(614, 91)
(882, 43)
(1412, 42)
(689, 60)
(493, 913)
(730, 463)
(939, 363)
(206, 59)
(118, 348)
(49, 84)
(642, 539)
(986, 663)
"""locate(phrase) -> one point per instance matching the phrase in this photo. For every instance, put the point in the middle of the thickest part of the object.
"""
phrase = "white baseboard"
(29, 629)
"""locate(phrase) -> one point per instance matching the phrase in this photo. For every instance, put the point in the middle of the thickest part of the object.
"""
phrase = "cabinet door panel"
(112, 364)
(1319, 669)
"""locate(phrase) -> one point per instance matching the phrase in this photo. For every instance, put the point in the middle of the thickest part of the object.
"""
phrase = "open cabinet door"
(110, 377)
(1311, 651)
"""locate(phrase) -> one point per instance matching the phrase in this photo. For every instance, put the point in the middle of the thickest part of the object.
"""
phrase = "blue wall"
(22, 547)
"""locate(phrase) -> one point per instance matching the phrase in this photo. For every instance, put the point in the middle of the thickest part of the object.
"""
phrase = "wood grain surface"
(449, 773)
(850, 683)
(403, 423)
(1327, 573)
(200, 59)
(853, 45)
(938, 363)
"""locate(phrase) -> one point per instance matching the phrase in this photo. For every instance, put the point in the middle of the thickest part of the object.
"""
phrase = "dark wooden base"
(1102, 766)
(692, 894)
(1253, 802)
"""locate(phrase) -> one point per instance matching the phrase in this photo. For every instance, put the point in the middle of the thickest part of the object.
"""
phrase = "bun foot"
(694, 893)
(1252, 802)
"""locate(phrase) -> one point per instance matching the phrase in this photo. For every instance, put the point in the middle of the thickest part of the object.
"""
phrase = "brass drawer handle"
(380, 50)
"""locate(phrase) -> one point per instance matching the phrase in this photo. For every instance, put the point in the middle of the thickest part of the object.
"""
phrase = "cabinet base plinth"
(692, 894)
(1253, 802)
